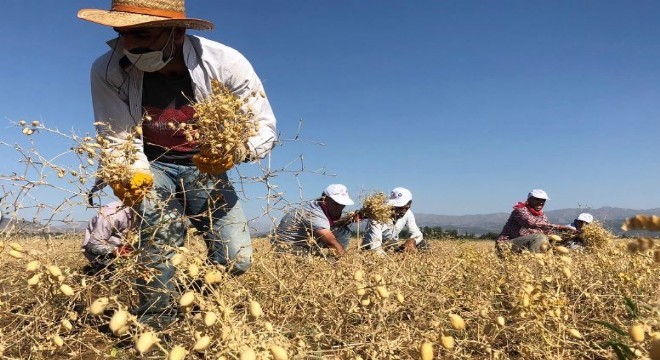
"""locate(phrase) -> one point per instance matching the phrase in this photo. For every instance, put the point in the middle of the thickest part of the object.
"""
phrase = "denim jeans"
(212, 207)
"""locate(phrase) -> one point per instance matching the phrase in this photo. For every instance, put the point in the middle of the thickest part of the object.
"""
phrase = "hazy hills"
(611, 217)
(475, 224)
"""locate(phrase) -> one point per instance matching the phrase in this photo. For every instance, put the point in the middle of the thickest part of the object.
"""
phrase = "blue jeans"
(212, 207)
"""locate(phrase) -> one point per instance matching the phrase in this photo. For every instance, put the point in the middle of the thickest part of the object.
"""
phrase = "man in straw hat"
(316, 224)
(527, 227)
(379, 236)
(153, 71)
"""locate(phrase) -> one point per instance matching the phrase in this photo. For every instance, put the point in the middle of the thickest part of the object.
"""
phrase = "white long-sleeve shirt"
(376, 232)
(117, 92)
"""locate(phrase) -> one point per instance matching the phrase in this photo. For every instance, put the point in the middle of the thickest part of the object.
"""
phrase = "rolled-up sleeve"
(111, 110)
(245, 83)
(415, 232)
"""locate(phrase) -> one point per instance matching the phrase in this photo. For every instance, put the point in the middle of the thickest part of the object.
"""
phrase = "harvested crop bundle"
(642, 222)
(224, 125)
(375, 207)
(595, 235)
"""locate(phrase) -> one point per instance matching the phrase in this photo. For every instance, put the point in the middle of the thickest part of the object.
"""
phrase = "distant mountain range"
(611, 217)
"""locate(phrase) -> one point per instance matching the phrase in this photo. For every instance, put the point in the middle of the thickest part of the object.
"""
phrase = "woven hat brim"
(125, 19)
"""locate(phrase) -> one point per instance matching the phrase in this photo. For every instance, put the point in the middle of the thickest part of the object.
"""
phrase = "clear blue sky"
(470, 104)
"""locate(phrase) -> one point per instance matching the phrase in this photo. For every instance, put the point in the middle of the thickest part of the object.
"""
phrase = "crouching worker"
(528, 227)
(316, 224)
(576, 242)
(385, 236)
(153, 75)
(106, 235)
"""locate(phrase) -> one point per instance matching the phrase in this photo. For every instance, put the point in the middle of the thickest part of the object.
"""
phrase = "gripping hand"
(211, 164)
(132, 192)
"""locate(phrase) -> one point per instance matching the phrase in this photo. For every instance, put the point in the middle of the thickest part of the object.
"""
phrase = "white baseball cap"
(399, 197)
(339, 194)
(586, 217)
(539, 194)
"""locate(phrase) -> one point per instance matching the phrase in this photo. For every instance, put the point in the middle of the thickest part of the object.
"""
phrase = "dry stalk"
(375, 207)
(596, 236)
(224, 122)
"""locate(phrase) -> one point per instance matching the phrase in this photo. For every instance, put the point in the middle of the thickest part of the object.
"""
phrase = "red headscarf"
(531, 209)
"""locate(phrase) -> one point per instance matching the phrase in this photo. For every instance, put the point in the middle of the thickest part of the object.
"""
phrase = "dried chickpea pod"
(365, 301)
(554, 237)
(178, 352)
(145, 341)
(447, 342)
(636, 333)
(248, 354)
(193, 270)
(500, 321)
(66, 290)
(16, 246)
(426, 351)
(57, 340)
(98, 306)
(278, 353)
(176, 260)
(187, 299)
(54, 271)
(202, 343)
(210, 318)
(382, 291)
(457, 322)
(118, 320)
(66, 324)
(255, 310)
(574, 333)
(400, 298)
(34, 280)
(32, 266)
(213, 277)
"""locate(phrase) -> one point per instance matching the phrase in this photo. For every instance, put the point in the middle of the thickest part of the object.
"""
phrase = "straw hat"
(125, 13)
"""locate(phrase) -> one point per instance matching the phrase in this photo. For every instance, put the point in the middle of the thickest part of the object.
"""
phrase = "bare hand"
(410, 245)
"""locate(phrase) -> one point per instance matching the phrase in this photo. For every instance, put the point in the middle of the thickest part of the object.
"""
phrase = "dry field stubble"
(457, 301)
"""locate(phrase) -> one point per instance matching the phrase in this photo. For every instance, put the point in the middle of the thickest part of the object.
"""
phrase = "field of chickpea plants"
(456, 301)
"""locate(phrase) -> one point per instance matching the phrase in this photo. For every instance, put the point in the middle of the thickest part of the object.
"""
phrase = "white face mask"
(150, 61)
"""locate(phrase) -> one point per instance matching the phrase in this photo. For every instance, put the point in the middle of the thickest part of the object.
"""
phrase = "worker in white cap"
(576, 242)
(581, 220)
(380, 236)
(317, 224)
(527, 226)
